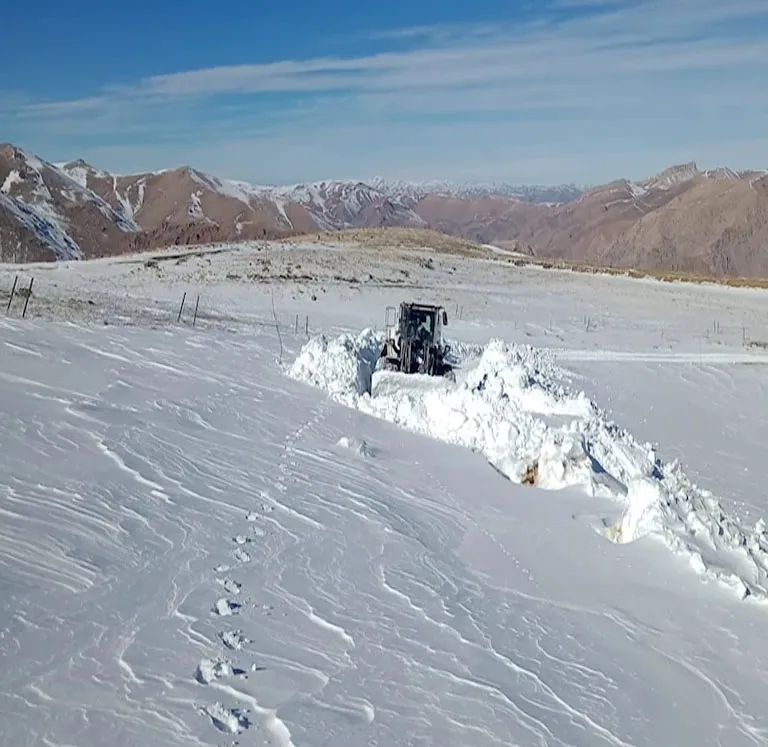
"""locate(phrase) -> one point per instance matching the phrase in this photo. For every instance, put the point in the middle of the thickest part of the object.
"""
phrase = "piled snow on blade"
(512, 405)
(342, 366)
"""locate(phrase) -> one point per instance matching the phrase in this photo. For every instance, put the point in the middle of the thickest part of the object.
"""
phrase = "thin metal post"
(13, 292)
(181, 308)
(29, 294)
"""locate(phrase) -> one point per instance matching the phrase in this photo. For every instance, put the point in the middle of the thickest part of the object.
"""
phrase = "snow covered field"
(203, 541)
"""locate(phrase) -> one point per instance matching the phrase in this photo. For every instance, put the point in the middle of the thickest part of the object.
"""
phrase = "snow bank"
(511, 404)
(342, 366)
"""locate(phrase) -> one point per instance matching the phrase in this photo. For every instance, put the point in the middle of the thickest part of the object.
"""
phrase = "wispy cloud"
(652, 74)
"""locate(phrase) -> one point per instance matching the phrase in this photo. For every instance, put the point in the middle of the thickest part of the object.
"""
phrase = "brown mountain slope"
(714, 228)
(578, 230)
(483, 219)
(182, 196)
(707, 222)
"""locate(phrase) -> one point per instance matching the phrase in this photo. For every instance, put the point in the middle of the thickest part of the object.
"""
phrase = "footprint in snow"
(228, 720)
(209, 670)
(224, 607)
(241, 539)
(242, 555)
(230, 586)
(234, 640)
(222, 568)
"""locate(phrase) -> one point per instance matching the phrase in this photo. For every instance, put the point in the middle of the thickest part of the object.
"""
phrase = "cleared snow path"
(513, 405)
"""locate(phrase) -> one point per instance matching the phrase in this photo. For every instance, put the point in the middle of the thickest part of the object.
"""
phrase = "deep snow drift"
(513, 405)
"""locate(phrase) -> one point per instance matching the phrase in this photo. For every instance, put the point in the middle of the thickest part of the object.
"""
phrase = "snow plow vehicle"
(414, 341)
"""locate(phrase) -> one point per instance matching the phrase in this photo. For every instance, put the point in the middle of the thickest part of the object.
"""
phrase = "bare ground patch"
(669, 276)
(397, 239)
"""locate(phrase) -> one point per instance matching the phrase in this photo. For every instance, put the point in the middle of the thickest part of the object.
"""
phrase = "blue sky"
(534, 91)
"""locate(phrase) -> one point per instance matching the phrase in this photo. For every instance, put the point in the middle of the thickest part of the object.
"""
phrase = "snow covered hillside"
(238, 533)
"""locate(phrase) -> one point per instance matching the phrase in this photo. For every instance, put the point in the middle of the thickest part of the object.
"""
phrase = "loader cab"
(414, 340)
(423, 322)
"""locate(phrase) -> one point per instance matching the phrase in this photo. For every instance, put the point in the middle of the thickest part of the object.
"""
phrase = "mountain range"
(712, 222)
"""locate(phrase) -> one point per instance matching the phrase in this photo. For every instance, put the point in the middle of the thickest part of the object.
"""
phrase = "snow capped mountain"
(51, 191)
(674, 176)
(345, 204)
(666, 181)
(124, 194)
(332, 205)
(49, 213)
(722, 172)
(188, 195)
(79, 171)
(75, 210)
(242, 191)
(410, 190)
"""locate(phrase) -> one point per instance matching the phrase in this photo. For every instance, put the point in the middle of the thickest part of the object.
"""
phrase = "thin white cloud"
(628, 67)
(642, 36)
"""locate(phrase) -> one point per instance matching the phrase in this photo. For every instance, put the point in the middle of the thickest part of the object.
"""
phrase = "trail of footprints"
(235, 720)
(230, 720)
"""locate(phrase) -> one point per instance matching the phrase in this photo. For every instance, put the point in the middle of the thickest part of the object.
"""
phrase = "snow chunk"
(358, 446)
(523, 374)
(643, 516)
(342, 366)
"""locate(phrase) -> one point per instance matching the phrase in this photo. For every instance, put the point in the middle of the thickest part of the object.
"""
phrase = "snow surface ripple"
(197, 550)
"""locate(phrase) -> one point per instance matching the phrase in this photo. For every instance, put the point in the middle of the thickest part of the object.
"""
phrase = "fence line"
(25, 293)
(290, 324)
